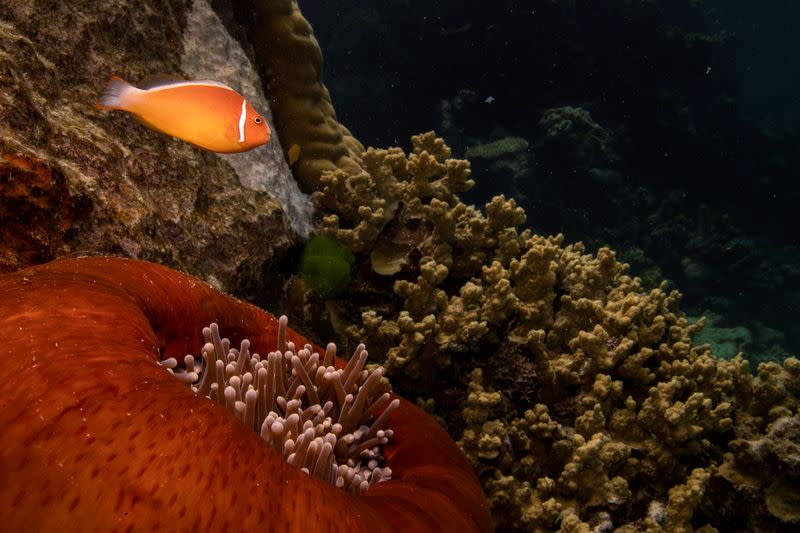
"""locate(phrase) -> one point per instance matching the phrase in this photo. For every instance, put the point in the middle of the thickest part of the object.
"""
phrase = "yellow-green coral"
(608, 447)
(587, 405)
(683, 499)
(362, 203)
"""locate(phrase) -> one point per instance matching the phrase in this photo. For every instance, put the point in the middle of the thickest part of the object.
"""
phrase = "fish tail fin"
(116, 94)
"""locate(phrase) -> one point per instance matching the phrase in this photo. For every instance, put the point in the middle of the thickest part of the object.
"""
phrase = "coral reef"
(759, 344)
(580, 396)
(498, 149)
(99, 435)
(573, 134)
(587, 405)
(508, 160)
(681, 134)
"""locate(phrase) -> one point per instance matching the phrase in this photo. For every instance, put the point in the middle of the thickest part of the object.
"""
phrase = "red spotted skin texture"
(97, 436)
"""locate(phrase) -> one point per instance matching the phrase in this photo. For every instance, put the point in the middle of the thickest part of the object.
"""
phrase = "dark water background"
(668, 130)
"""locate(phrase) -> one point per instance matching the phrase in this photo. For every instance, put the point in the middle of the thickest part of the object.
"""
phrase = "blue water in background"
(667, 130)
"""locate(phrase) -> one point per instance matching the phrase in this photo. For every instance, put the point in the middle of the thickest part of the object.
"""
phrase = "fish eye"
(257, 120)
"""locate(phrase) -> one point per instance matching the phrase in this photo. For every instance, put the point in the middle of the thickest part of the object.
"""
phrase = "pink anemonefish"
(207, 114)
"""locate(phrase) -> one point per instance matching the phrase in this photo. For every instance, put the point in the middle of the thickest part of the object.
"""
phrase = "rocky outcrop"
(76, 180)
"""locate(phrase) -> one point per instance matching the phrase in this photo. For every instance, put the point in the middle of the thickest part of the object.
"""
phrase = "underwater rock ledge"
(117, 187)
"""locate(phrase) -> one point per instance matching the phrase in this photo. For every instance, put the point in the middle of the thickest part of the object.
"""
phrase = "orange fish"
(207, 114)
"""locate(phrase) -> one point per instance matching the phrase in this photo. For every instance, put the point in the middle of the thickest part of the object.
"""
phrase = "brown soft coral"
(622, 448)
(362, 203)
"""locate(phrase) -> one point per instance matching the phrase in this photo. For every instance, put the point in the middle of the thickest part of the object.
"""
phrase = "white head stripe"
(242, 118)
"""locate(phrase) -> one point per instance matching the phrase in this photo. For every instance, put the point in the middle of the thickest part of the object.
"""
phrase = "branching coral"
(622, 422)
(618, 449)
(362, 204)
(98, 435)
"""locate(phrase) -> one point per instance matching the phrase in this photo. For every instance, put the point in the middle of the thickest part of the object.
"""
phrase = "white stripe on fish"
(242, 119)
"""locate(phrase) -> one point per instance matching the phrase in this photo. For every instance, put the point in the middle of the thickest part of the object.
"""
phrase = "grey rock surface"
(141, 193)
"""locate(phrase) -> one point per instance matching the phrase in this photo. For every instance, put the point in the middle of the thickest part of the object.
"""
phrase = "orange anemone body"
(98, 436)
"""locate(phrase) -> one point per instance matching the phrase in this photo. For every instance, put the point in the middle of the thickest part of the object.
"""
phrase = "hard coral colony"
(588, 405)
(99, 435)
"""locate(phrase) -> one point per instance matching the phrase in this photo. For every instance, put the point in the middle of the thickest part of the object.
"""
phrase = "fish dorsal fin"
(160, 81)
(157, 80)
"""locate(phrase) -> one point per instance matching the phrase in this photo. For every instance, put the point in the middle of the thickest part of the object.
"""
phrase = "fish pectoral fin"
(232, 132)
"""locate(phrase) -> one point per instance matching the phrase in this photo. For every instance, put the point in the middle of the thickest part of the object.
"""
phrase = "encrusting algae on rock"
(118, 188)
(584, 402)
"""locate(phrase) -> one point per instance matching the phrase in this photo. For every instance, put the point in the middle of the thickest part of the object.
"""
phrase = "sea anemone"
(98, 436)
(328, 438)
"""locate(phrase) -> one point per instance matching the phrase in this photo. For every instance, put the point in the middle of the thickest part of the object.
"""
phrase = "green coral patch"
(326, 266)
